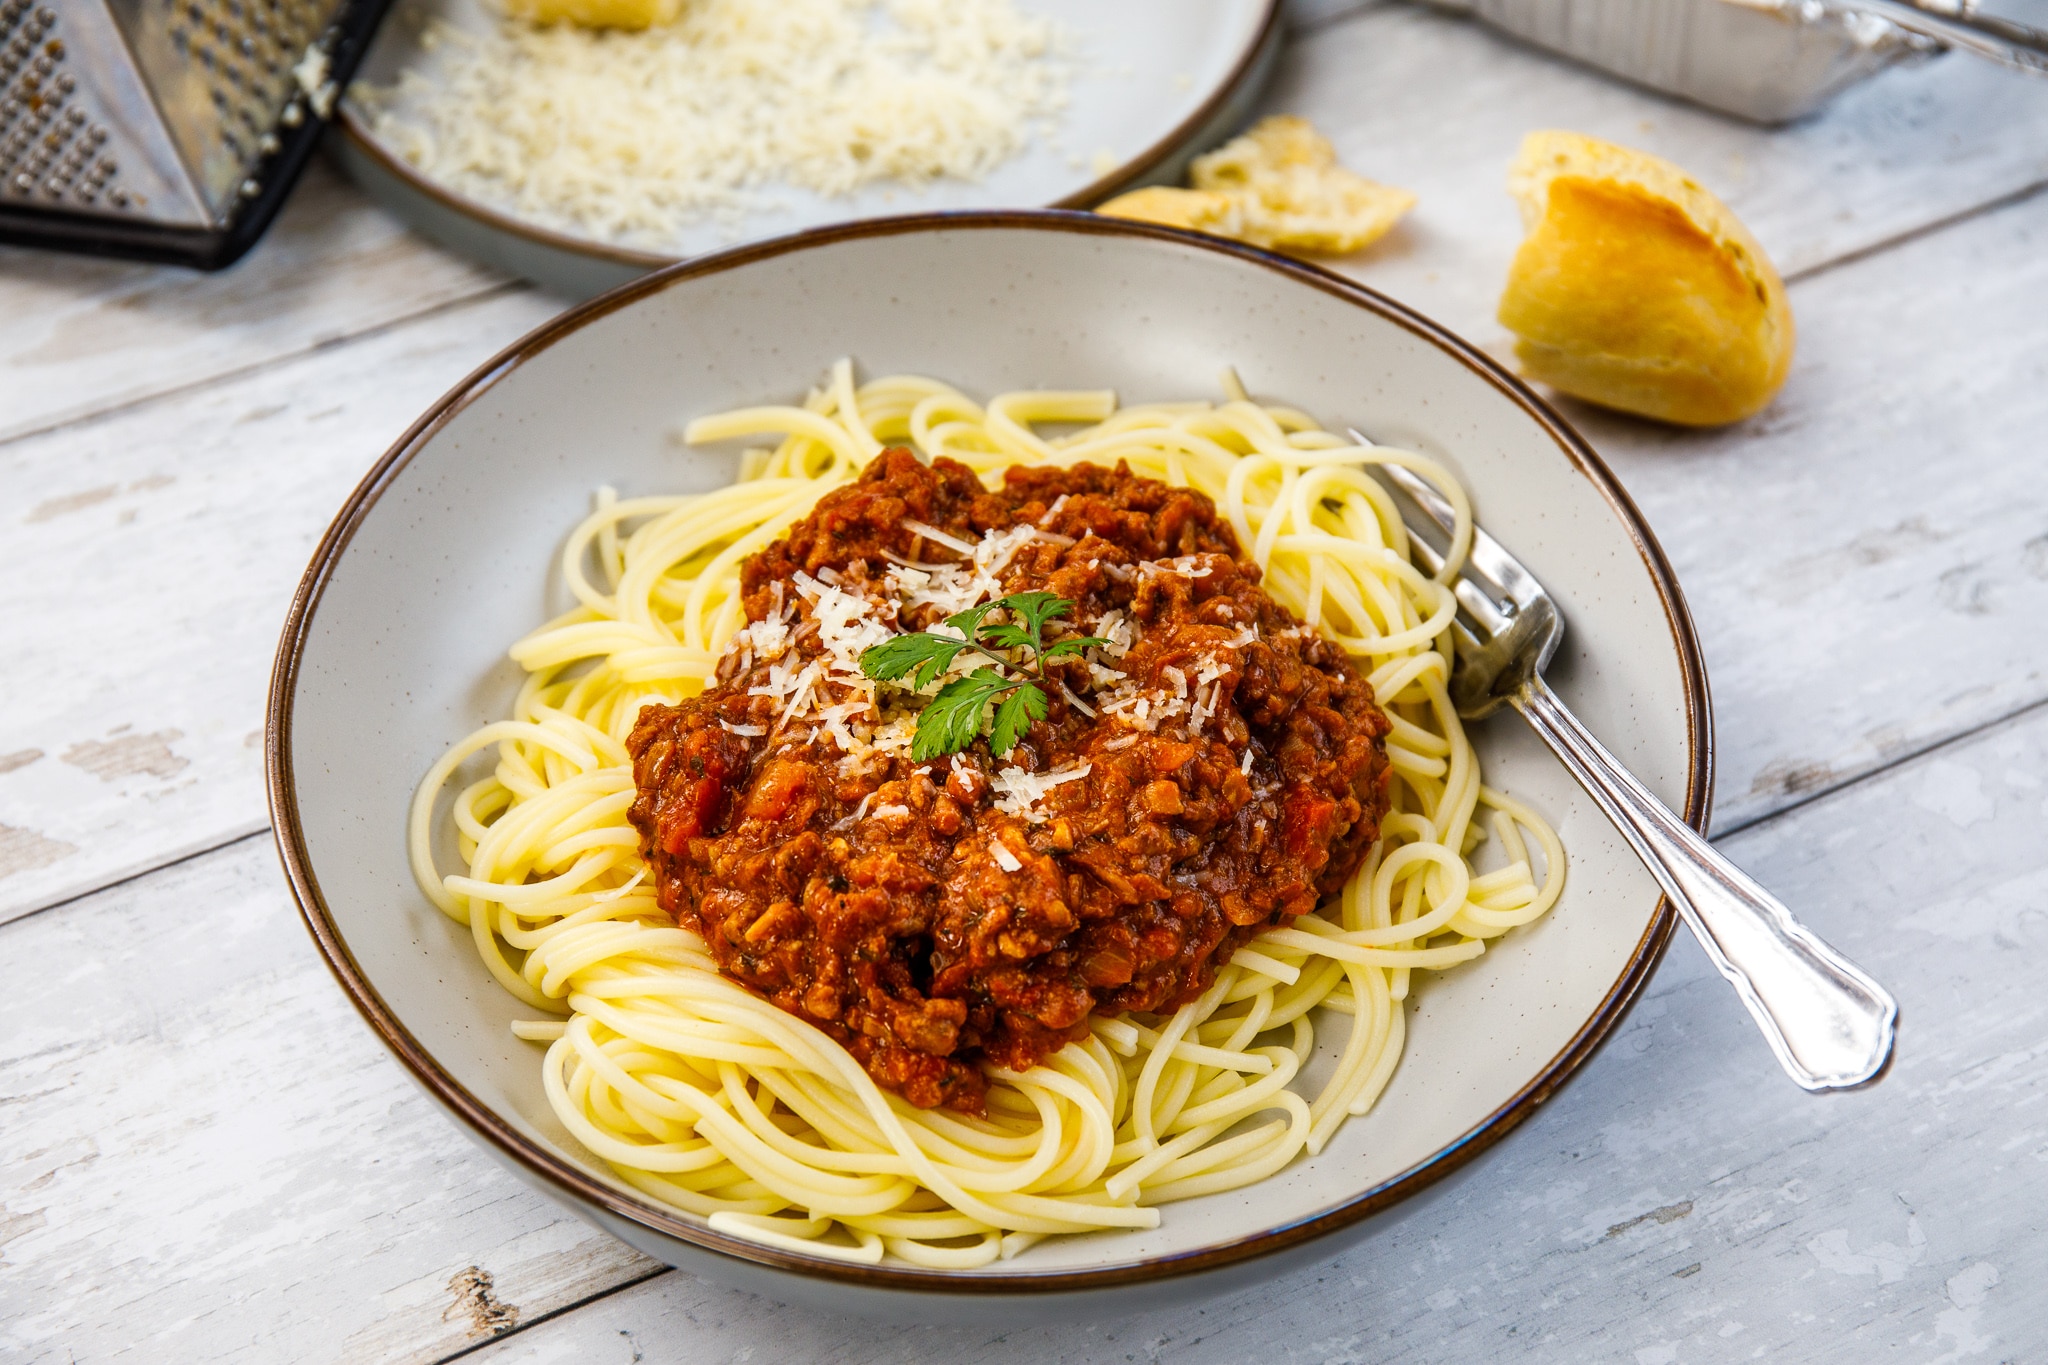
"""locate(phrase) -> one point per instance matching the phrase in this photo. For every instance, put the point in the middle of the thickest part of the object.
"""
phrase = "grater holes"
(244, 51)
(50, 147)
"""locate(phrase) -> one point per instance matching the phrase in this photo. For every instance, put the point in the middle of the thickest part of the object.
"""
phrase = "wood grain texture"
(1439, 105)
(79, 334)
(1868, 559)
(1864, 560)
(145, 569)
(208, 1158)
(205, 1156)
(1680, 1201)
(1913, 147)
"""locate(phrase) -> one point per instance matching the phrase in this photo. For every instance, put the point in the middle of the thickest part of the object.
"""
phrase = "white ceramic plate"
(447, 553)
(1158, 81)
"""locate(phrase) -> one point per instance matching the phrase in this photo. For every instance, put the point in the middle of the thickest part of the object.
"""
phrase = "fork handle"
(1830, 1024)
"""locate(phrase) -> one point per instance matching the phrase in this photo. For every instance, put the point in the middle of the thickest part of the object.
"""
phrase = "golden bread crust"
(1638, 290)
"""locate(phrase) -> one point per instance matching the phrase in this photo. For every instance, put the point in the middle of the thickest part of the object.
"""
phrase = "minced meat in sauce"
(935, 916)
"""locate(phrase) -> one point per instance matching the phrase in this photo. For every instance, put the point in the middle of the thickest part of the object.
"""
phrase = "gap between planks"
(1799, 811)
(631, 1282)
(1319, 19)
(1899, 760)
(1912, 235)
(1651, 490)
(1709, 1209)
(267, 831)
(262, 831)
(502, 289)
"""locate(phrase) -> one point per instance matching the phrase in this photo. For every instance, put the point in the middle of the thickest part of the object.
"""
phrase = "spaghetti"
(710, 1099)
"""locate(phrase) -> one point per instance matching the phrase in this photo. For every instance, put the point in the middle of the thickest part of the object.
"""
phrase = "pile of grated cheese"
(635, 136)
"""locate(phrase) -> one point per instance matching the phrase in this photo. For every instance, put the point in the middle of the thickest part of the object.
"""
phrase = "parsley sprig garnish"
(953, 719)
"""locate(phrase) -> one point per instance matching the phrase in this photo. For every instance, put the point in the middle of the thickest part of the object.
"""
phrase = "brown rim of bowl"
(553, 1171)
(348, 120)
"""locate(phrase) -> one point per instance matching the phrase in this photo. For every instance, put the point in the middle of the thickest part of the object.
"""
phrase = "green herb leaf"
(1033, 609)
(1014, 717)
(952, 720)
(1073, 644)
(929, 654)
(1008, 637)
(969, 621)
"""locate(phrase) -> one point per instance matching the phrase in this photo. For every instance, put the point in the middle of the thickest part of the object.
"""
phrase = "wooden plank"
(1868, 560)
(1864, 561)
(205, 1156)
(165, 726)
(1681, 1200)
(1439, 105)
(79, 334)
(147, 564)
(1853, 605)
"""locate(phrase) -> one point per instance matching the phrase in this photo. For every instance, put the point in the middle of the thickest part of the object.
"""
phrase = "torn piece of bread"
(1637, 289)
(1278, 186)
(631, 14)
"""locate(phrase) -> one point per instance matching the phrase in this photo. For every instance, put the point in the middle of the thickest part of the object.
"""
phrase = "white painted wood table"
(205, 1157)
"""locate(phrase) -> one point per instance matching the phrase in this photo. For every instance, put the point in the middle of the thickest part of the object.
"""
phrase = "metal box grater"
(167, 130)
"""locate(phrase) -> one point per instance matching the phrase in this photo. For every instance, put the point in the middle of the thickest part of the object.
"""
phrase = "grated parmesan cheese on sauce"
(1187, 566)
(956, 587)
(1019, 792)
(938, 537)
(636, 136)
(828, 699)
(847, 628)
(1120, 632)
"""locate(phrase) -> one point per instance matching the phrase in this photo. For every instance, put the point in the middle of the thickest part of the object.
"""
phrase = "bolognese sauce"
(1212, 768)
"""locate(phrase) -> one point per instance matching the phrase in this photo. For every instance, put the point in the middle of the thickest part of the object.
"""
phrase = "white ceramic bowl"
(447, 553)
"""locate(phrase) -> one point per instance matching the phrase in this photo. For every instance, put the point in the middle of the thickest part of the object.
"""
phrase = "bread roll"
(1637, 289)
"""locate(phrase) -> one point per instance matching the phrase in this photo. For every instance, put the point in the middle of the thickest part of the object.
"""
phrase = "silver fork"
(1829, 1023)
